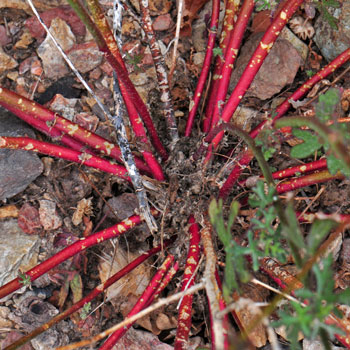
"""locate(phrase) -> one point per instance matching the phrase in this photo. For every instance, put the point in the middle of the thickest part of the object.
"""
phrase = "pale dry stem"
(212, 288)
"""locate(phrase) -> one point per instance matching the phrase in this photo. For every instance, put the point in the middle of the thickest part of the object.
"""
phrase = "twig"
(33, 145)
(120, 93)
(314, 199)
(157, 305)
(212, 289)
(176, 39)
(117, 122)
(194, 103)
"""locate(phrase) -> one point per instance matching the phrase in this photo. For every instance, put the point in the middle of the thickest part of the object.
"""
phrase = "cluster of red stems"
(85, 147)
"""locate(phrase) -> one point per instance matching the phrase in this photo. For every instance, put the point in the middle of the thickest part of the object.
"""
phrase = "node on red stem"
(185, 309)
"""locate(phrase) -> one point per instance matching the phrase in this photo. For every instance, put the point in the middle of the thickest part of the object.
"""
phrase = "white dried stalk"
(118, 123)
(121, 139)
(212, 288)
(177, 35)
(162, 75)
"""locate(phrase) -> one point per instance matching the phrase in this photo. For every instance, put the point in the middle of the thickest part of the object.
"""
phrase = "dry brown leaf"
(124, 293)
(262, 19)
(191, 9)
(246, 312)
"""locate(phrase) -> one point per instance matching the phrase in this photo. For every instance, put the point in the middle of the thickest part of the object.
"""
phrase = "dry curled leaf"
(315, 60)
(83, 208)
(301, 27)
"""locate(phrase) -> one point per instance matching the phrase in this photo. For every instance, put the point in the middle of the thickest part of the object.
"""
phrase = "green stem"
(86, 19)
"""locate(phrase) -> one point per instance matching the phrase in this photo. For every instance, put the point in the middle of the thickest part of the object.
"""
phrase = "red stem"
(320, 164)
(140, 133)
(194, 103)
(50, 149)
(185, 311)
(75, 248)
(223, 305)
(247, 156)
(311, 217)
(226, 33)
(50, 131)
(305, 88)
(92, 295)
(141, 303)
(110, 48)
(230, 57)
(165, 281)
(256, 61)
(23, 106)
(307, 180)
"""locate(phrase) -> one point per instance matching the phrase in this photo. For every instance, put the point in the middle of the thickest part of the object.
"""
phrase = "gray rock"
(85, 57)
(17, 250)
(277, 71)
(53, 62)
(17, 168)
(30, 313)
(298, 44)
(333, 42)
(123, 206)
